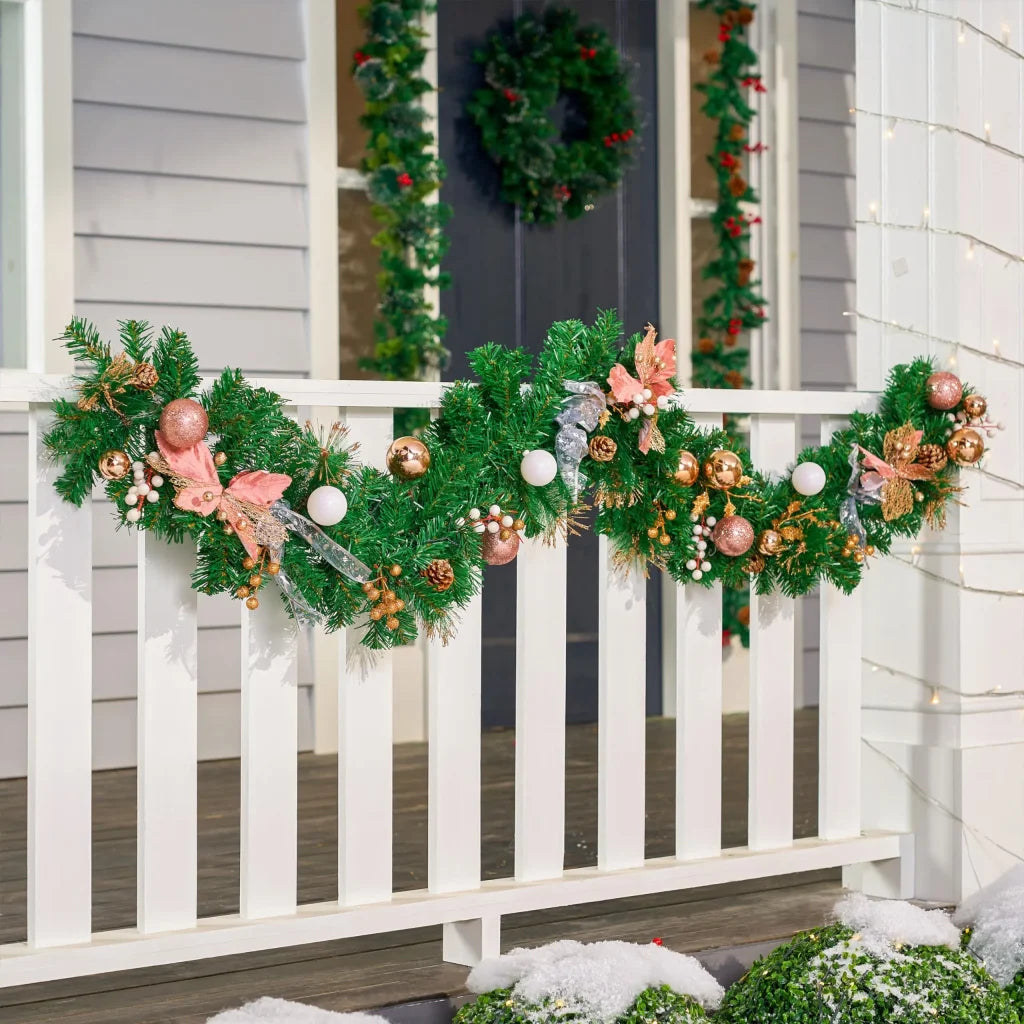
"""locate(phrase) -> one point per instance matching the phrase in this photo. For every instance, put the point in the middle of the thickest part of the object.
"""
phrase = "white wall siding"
(190, 210)
(827, 235)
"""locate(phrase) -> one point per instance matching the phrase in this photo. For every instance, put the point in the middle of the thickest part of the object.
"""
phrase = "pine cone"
(705, 346)
(745, 271)
(439, 574)
(745, 15)
(932, 456)
(145, 377)
(738, 185)
(738, 132)
(602, 449)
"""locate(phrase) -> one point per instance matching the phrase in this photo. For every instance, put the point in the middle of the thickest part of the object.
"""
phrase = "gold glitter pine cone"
(440, 574)
(145, 377)
(932, 456)
(602, 449)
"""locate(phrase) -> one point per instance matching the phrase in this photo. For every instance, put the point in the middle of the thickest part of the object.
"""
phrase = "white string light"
(963, 27)
(994, 692)
(972, 240)
(937, 126)
(959, 584)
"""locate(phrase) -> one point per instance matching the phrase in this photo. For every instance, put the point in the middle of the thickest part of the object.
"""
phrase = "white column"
(938, 760)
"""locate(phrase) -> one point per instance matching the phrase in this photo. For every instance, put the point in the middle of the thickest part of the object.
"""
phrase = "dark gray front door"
(511, 281)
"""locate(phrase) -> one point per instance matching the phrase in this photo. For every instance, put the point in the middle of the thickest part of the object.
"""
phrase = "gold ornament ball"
(665, 540)
(518, 524)
(222, 516)
(944, 390)
(252, 603)
(273, 568)
(219, 459)
(395, 570)
(975, 406)
(652, 532)
(687, 471)
(243, 591)
(372, 594)
(392, 623)
(183, 423)
(965, 446)
(770, 542)
(733, 535)
(724, 469)
(248, 563)
(114, 464)
(670, 514)
(408, 458)
(255, 580)
(496, 551)
(377, 614)
(367, 587)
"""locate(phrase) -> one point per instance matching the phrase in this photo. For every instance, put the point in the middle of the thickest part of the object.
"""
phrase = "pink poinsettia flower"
(655, 368)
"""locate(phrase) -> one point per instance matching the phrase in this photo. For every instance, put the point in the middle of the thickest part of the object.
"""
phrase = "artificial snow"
(280, 1011)
(883, 926)
(597, 981)
(996, 916)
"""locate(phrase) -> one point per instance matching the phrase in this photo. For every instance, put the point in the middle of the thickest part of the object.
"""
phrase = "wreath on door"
(527, 70)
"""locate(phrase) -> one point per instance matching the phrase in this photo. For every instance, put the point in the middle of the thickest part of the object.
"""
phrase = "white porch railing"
(60, 939)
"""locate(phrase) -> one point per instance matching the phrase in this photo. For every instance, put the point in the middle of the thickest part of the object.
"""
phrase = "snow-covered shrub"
(881, 963)
(600, 983)
(993, 919)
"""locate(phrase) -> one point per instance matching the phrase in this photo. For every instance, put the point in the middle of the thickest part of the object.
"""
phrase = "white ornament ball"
(142, 489)
(697, 574)
(157, 481)
(634, 414)
(507, 521)
(697, 529)
(705, 566)
(691, 564)
(493, 527)
(648, 409)
(133, 515)
(711, 520)
(474, 513)
(153, 496)
(647, 394)
(702, 545)
(638, 398)
(538, 467)
(662, 401)
(808, 478)
(327, 505)
(480, 528)
(460, 522)
(131, 497)
(494, 510)
(137, 467)
(138, 475)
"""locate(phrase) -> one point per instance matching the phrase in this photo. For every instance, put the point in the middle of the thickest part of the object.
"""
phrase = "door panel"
(511, 281)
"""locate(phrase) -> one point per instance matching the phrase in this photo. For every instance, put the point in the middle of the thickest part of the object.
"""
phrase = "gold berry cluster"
(257, 567)
(386, 603)
(658, 531)
(853, 548)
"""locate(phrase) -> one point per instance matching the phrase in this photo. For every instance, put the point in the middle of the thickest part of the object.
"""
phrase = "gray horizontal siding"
(190, 210)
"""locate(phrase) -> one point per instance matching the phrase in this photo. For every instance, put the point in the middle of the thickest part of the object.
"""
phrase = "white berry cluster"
(961, 419)
(642, 403)
(490, 522)
(701, 532)
(145, 487)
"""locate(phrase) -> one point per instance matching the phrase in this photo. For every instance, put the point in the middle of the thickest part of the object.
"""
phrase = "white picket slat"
(453, 772)
(540, 709)
(269, 826)
(839, 706)
(59, 705)
(167, 736)
(772, 672)
(621, 713)
(365, 727)
(698, 649)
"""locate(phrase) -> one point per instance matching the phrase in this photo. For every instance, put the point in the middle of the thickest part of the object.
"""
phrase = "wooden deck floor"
(373, 971)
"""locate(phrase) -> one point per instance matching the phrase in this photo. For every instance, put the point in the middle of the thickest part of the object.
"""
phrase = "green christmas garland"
(403, 171)
(525, 72)
(736, 304)
(411, 548)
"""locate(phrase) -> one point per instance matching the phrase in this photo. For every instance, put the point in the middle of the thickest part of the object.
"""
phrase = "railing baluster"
(453, 773)
(622, 713)
(59, 705)
(839, 705)
(167, 715)
(540, 709)
(772, 671)
(269, 827)
(365, 728)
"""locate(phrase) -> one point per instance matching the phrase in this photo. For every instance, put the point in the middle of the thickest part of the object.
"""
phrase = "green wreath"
(526, 72)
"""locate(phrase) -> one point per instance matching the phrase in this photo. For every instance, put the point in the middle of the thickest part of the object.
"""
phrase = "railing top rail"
(18, 387)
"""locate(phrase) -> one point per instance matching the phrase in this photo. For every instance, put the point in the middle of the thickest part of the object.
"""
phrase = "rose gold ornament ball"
(944, 390)
(965, 446)
(723, 469)
(408, 458)
(497, 551)
(688, 470)
(114, 464)
(975, 406)
(183, 423)
(733, 536)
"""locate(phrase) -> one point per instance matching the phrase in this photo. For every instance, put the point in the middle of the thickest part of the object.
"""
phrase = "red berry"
(657, 941)
(404, 179)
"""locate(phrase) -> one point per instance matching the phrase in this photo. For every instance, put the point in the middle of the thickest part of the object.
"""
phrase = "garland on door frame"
(518, 453)
(544, 57)
(736, 305)
(403, 170)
